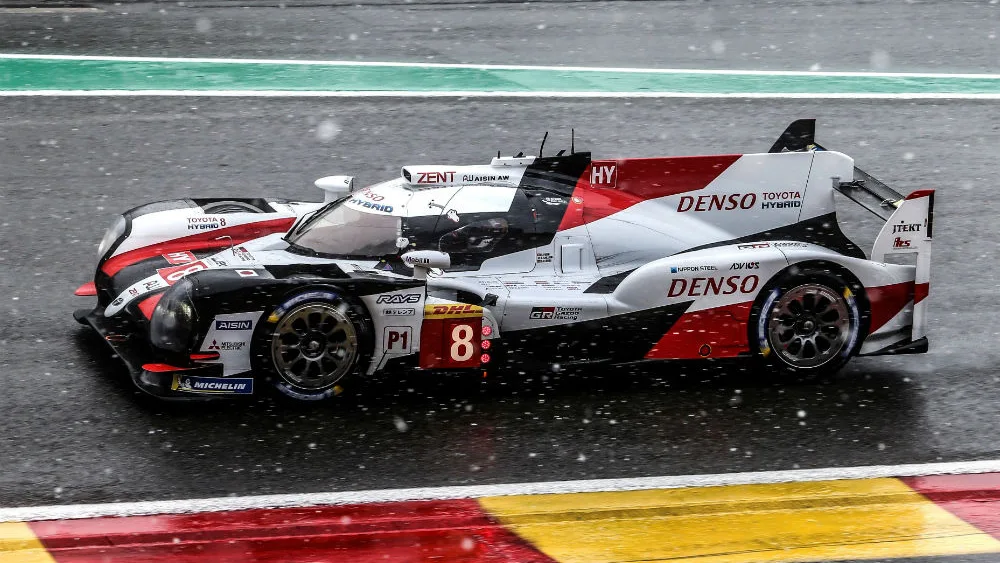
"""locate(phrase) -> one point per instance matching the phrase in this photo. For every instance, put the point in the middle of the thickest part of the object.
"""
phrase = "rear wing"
(899, 211)
(909, 219)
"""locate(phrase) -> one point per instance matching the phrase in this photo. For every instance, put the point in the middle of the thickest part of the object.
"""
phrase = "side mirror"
(423, 260)
(335, 187)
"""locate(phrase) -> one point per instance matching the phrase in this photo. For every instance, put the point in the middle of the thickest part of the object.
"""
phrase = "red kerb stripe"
(452, 530)
(973, 498)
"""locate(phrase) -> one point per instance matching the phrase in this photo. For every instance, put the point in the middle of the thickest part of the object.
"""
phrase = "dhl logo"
(457, 311)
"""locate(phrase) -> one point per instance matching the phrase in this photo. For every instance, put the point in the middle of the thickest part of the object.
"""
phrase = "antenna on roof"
(572, 141)
(498, 153)
(541, 148)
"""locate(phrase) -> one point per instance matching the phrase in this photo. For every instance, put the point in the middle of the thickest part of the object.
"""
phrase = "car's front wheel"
(308, 347)
(808, 323)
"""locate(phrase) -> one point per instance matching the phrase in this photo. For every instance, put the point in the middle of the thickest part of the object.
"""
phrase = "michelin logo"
(212, 385)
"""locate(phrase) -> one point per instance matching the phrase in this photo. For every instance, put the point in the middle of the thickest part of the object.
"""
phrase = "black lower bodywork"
(131, 343)
(157, 370)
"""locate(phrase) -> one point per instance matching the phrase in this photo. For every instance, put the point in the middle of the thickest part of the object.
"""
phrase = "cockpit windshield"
(344, 231)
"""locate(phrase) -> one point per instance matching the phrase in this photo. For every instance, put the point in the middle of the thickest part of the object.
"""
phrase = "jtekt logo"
(906, 228)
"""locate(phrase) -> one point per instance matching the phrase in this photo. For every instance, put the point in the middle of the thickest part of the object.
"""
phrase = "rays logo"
(399, 298)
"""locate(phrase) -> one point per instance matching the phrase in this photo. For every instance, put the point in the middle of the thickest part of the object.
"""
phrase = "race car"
(555, 261)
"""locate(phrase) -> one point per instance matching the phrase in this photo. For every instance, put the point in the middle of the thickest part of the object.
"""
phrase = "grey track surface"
(72, 429)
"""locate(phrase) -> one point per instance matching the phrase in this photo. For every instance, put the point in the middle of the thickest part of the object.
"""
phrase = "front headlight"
(116, 230)
(173, 319)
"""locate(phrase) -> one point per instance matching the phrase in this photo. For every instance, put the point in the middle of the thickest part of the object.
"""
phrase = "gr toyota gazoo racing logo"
(558, 313)
(542, 313)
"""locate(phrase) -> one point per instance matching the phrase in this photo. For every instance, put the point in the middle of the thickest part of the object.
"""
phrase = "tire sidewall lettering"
(840, 287)
(299, 298)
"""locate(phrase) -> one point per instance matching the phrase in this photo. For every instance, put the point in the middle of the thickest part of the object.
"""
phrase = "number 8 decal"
(462, 348)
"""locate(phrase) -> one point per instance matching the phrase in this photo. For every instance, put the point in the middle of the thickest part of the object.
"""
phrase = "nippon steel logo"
(679, 269)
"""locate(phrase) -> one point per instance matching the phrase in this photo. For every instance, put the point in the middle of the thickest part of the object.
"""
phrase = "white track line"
(493, 94)
(500, 67)
(69, 512)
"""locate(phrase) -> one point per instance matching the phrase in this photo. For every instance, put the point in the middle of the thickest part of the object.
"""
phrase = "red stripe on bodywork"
(162, 368)
(452, 530)
(722, 329)
(639, 179)
(237, 234)
(86, 290)
(973, 498)
(148, 304)
(920, 292)
(886, 302)
(919, 194)
(205, 356)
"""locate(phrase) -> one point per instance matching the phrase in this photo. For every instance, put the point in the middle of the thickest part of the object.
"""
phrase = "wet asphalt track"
(72, 429)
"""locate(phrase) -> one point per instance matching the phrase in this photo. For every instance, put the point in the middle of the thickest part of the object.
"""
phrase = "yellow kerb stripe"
(18, 544)
(830, 520)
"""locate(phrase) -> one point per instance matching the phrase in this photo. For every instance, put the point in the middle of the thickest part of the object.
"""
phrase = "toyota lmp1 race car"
(556, 260)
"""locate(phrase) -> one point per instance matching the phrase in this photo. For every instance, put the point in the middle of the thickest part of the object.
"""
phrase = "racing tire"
(230, 206)
(306, 347)
(808, 323)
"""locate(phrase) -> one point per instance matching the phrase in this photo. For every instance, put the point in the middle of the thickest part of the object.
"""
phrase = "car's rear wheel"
(808, 323)
(313, 345)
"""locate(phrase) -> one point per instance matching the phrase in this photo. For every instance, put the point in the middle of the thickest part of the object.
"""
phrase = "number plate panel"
(450, 336)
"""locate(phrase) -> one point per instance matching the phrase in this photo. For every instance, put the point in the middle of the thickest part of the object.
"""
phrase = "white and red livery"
(557, 260)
